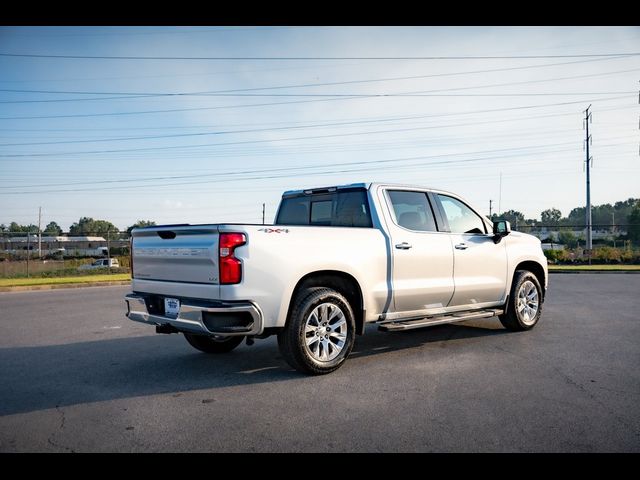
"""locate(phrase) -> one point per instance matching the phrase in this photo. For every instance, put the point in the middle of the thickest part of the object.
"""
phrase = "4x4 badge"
(274, 230)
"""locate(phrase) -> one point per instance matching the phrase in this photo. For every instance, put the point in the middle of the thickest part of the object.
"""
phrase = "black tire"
(516, 320)
(217, 344)
(292, 340)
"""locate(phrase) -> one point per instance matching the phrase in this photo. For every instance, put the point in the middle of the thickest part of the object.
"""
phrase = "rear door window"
(412, 210)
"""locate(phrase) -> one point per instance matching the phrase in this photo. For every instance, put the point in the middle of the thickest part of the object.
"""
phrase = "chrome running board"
(439, 319)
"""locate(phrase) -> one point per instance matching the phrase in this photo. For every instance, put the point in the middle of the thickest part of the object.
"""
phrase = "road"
(77, 376)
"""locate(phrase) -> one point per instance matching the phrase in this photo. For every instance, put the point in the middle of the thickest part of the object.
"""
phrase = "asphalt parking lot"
(76, 375)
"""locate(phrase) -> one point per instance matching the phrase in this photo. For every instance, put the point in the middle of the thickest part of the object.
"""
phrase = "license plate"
(171, 307)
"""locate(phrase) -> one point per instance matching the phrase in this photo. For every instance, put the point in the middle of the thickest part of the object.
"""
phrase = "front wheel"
(214, 344)
(320, 331)
(525, 302)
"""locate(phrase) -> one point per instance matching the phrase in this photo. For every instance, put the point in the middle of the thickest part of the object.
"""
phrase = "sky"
(261, 110)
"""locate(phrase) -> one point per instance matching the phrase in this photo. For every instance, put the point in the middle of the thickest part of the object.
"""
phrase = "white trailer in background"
(69, 246)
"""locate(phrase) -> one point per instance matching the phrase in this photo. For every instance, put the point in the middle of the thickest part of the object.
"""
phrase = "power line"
(524, 67)
(182, 127)
(299, 150)
(200, 134)
(218, 174)
(445, 164)
(289, 169)
(108, 139)
(130, 95)
(173, 110)
(457, 177)
(368, 167)
(365, 165)
(49, 154)
(303, 85)
(460, 57)
(332, 95)
(186, 30)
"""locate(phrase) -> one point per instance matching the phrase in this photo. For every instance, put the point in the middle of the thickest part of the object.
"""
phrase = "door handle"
(462, 246)
(403, 246)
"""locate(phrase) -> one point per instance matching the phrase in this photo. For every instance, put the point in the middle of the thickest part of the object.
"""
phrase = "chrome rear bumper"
(190, 317)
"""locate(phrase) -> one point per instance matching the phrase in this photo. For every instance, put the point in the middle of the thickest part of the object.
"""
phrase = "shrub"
(606, 255)
(552, 255)
(124, 261)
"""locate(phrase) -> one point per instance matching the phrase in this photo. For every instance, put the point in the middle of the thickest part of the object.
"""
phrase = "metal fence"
(45, 255)
(25, 254)
(609, 235)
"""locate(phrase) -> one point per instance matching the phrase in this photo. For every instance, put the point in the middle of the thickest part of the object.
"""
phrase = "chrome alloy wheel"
(325, 332)
(527, 304)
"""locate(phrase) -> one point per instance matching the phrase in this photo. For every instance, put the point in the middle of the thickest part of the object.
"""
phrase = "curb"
(594, 271)
(24, 288)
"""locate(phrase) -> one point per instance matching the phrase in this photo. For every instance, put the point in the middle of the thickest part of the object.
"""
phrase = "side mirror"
(501, 228)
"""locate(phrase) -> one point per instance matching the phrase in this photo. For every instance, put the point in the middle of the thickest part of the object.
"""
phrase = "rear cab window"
(339, 208)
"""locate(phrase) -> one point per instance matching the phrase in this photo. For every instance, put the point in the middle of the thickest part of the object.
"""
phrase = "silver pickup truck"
(335, 259)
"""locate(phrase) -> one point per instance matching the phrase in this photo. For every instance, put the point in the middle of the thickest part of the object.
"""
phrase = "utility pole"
(28, 250)
(263, 213)
(500, 196)
(613, 221)
(490, 201)
(613, 227)
(39, 233)
(108, 251)
(588, 160)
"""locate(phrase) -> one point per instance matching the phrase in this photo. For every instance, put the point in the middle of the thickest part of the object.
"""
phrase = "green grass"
(18, 282)
(612, 268)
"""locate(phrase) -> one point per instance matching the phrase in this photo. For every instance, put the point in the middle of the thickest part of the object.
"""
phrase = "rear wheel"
(320, 332)
(214, 344)
(525, 302)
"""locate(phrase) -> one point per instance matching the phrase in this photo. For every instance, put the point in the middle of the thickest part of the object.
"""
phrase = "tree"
(623, 210)
(140, 224)
(3, 228)
(89, 226)
(15, 227)
(602, 214)
(568, 238)
(550, 216)
(577, 216)
(53, 229)
(634, 223)
(512, 216)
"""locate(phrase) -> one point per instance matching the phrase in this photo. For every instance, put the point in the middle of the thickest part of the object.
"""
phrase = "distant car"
(102, 263)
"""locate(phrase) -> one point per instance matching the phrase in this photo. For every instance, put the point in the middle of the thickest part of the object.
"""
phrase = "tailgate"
(187, 254)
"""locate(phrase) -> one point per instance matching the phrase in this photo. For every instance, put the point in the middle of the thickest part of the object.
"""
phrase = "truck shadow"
(377, 343)
(43, 377)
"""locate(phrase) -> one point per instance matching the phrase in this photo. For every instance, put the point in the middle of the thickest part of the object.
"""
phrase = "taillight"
(131, 255)
(230, 266)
